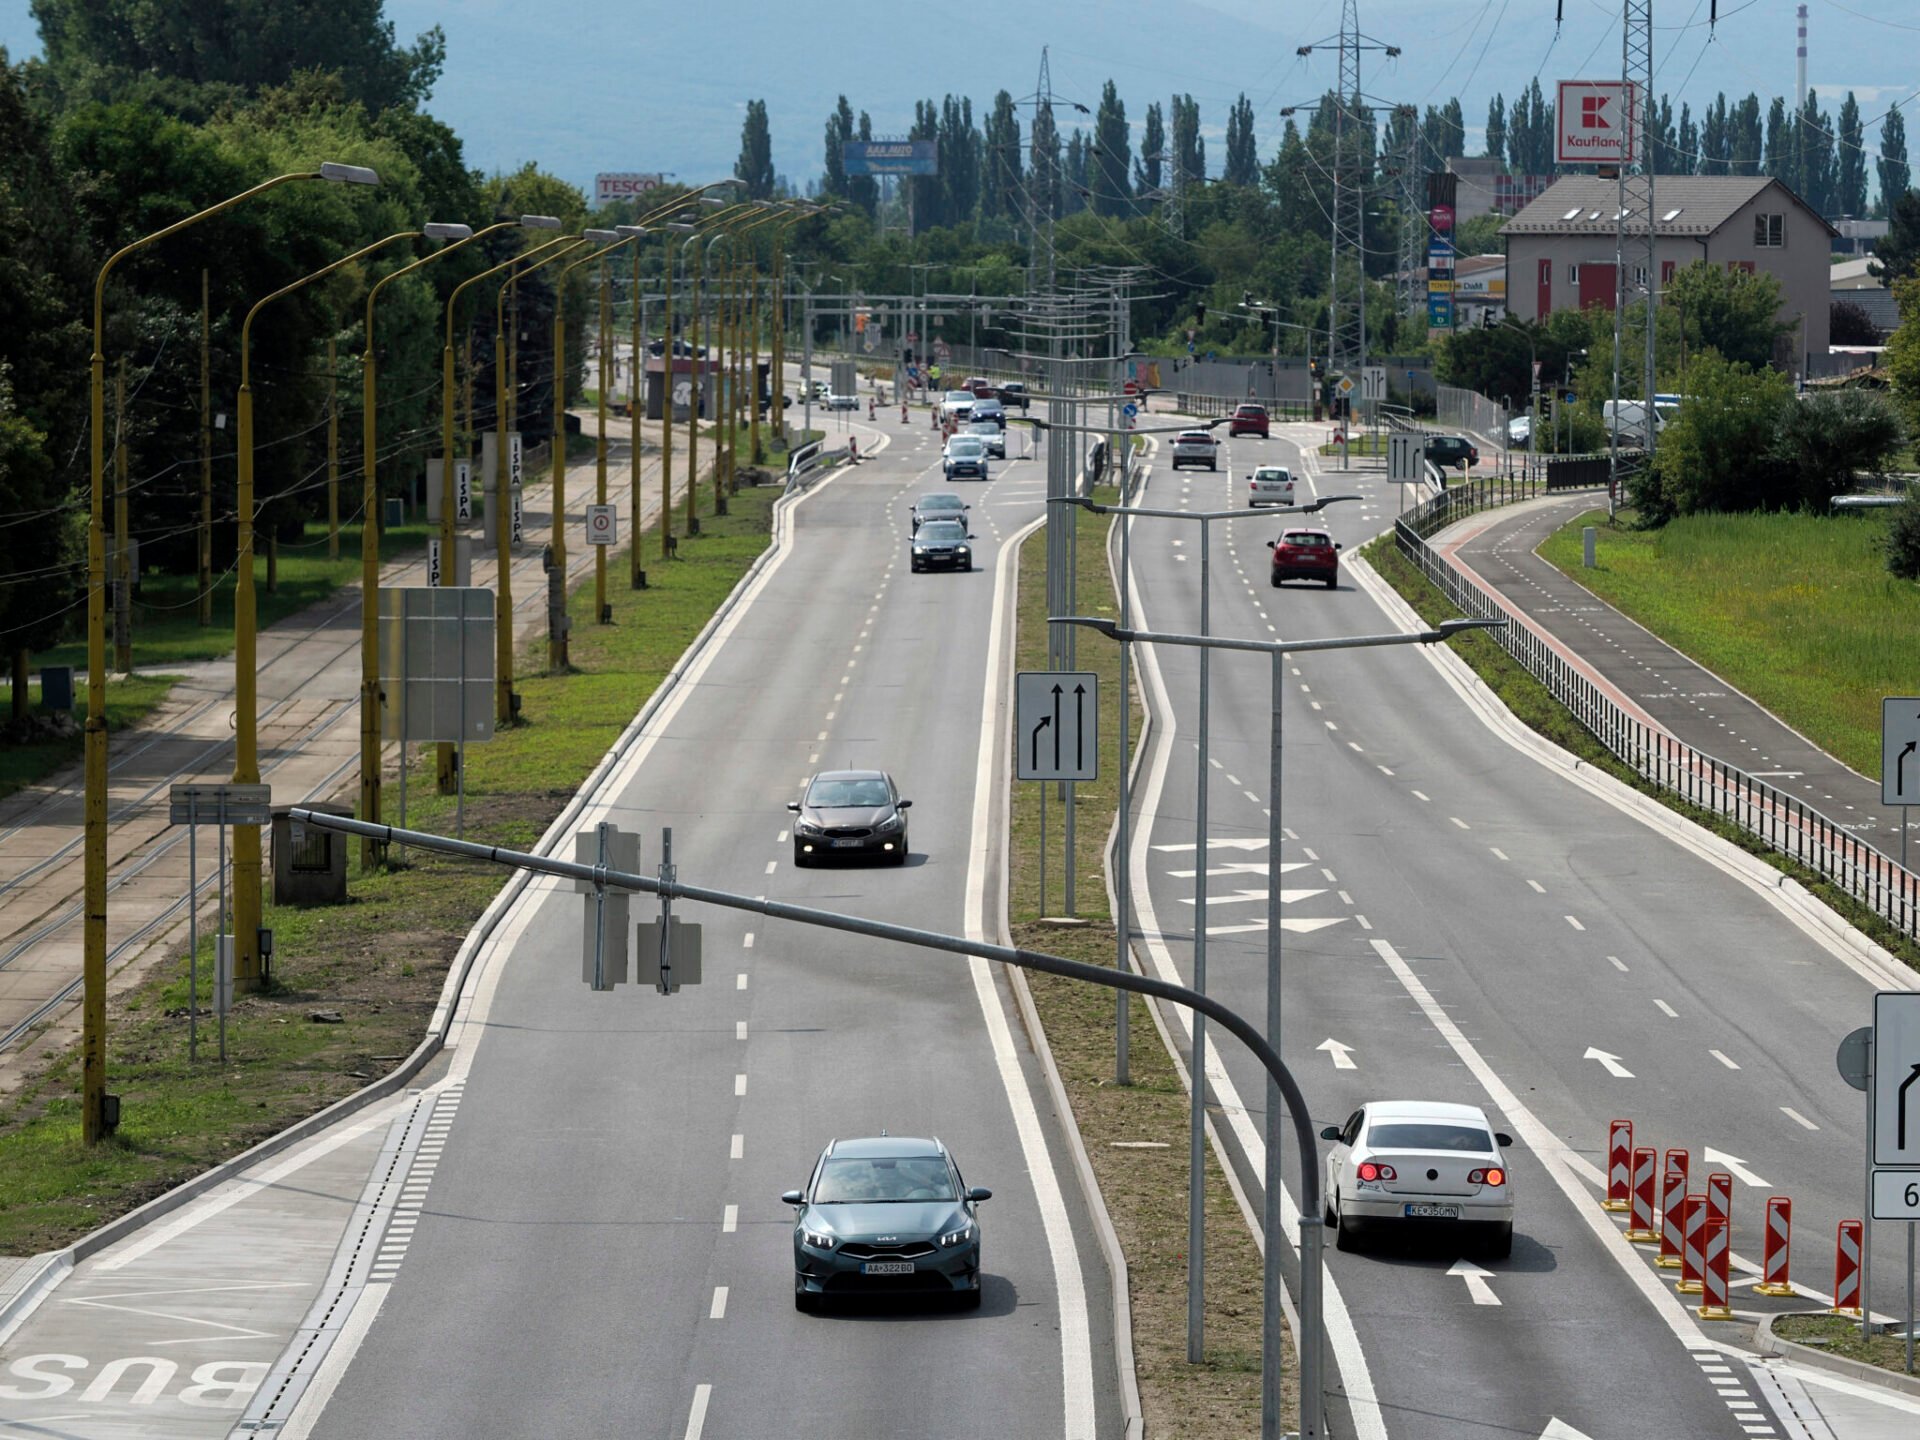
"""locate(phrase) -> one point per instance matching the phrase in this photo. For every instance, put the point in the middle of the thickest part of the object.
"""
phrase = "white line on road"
(1476, 1279)
(719, 1309)
(739, 1084)
(1383, 770)
(1618, 963)
(1418, 795)
(740, 981)
(730, 1220)
(1667, 1010)
(1575, 923)
(1721, 1056)
(739, 1029)
(746, 941)
(1458, 821)
(1538, 888)
(1797, 1118)
(697, 1417)
(738, 1149)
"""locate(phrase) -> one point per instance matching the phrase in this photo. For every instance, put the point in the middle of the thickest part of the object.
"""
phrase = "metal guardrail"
(1785, 824)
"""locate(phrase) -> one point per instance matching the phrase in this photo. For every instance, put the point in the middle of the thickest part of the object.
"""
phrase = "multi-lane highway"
(1464, 922)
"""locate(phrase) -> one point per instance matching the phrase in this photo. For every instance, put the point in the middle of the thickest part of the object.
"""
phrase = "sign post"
(1056, 738)
(1900, 758)
(1893, 1132)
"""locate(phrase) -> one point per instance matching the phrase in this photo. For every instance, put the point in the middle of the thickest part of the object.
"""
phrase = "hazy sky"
(590, 85)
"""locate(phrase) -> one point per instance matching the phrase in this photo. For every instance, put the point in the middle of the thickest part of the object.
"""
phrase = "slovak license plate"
(887, 1267)
(1433, 1212)
(845, 844)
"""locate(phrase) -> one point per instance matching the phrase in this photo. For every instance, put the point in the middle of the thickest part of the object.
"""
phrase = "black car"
(886, 1216)
(942, 545)
(850, 812)
(941, 505)
(1014, 392)
(1451, 451)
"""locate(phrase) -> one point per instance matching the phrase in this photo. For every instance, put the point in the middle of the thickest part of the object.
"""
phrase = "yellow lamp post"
(248, 972)
(95, 1124)
(713, 225)
(778, 417)
(371, 698)
(731, 314)
(636, 403)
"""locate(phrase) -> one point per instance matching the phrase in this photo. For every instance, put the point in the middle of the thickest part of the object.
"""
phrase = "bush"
(1718, 452)
(1829, 439)
(1902, 540)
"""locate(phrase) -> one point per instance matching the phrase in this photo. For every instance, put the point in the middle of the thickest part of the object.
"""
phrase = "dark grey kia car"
(884, 1216)
(850, 812)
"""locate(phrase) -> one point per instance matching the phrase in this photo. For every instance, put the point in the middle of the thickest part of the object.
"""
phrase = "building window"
(1573, 274)
(1770, 231)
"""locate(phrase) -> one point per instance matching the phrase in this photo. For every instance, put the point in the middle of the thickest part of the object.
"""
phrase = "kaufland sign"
(1594, 120)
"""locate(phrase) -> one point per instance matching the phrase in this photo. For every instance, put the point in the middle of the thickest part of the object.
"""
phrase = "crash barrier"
(1713, 1277)
(1786, 824)
(812, 460)
(1640, 1222)
(1693, 1244)
(1672, 1193)
(1585, 472)
(1846, 1267)
(1774, 1276)
(1619, 1165)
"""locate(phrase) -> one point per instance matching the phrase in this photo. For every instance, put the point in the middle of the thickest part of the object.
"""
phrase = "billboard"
(1442, 196)
(623, 185)
(891, 157)
(1594, 122)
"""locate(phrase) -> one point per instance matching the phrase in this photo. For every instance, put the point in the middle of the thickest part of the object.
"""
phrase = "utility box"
(394, 513)
(309, 864)
(56, 688)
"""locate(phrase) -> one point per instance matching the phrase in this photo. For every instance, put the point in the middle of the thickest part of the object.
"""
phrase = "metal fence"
(1468, 410)
(1787, 825)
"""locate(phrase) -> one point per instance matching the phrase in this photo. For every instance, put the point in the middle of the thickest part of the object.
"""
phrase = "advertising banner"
(891, 157)
(1594, 122)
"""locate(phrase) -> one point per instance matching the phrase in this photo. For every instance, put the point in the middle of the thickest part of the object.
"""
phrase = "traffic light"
(1200, 313)
(906, 356)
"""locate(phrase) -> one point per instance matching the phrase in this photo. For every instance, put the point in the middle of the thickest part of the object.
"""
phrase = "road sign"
(1851, 1059)
(1131, 387)
(1056, 725)
(1896, 1078)
(1900, 750)
(1405, 454)
(1345, 386)
(1896, 1195)
(600, 525)
(1373, 382)
(220, 804)
(1130, 410)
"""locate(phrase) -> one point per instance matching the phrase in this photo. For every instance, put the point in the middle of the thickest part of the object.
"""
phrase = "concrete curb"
(1768, 1343)
(60, 1263)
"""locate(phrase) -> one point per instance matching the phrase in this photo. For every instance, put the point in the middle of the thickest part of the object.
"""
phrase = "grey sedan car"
(850, 812)
(886, 1216)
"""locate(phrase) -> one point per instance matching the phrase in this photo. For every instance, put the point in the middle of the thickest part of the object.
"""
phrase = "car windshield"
(965, 445)
(1194, 437)
(942, 502)
(942, 532)
(959, 397)
(1407, 1135)
(984, 427)
(1252, 410)
(845, 794)
(1305, 539)
(882, 1179)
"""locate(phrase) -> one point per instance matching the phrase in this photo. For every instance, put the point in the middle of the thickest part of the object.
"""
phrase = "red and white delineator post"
(1720, 1197)
(1640, 1220)
(1693, 1245)
(1714, 1299)
(1848, 1240)
(1619, 1166)
(1673, 1193)
(1774, 1279)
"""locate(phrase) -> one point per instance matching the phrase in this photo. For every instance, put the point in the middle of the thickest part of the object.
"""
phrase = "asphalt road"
(602, 1248)
(1470, 924)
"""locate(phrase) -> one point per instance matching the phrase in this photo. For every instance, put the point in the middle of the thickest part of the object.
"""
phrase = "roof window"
(1671, 215)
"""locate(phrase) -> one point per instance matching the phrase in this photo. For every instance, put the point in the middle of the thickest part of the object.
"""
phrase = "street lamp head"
(600, 237)
(1450, 628)
(447, 230)
(680, 226)
(633, 232)
(714, 200)
(349, 174)
(540, 222)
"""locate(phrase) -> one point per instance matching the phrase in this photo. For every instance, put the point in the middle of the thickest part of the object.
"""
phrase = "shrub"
(1902, 540)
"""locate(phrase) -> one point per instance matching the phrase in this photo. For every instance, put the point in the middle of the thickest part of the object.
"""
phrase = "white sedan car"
(1270, 485)
(1402, 1163)
(1196, 447)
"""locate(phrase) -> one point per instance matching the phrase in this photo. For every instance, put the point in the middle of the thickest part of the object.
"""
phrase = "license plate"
(887, 1267)
(1433, 1212)
(845, 844)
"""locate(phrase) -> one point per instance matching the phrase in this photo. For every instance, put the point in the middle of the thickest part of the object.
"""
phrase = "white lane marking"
(1667, 1010)
(1733, 1165)
(1076, 1339)
(718, 1311)
(1573, 921)
(1476, 1278)
(739, 1029)
(697, 1417)
(730, 1220)
(1538, 888)
(1618, 963)
(1721, 1056)
(1251, 796)
(1341, 1052)
(1797, 1118)
(1610, 1063)
(746, 941)
(740, 981)
(1420, 796)
(738, 1148)
(1458, 821)
(1498, 853)
(326, 1379)
(739, 1085)
(1383, 770)
(781, 838)
(1355, 748)
(1343, 1338)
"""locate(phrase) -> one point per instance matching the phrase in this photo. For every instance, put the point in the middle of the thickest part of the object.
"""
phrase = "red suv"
(982, 388)
(1248, 420)
(1305, 555)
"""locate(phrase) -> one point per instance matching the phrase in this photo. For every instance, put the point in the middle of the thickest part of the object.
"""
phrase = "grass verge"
(1136, 1135)
(1838, 1335)
(129, 702)
(1796, 610)
(1536, 708)
(355, 984)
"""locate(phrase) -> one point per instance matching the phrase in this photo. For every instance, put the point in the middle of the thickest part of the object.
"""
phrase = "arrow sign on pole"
(1476, 1279)
(1056, 727)
(1612, 1062)
(1045, 722)
(1733, 1165)
(1080, 727)
(1342, 1058)
(1040, 716)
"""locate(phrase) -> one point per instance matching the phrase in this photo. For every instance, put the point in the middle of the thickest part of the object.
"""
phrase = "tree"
(1731, 312)
(1714, 135)
(1813, 156)
(839, 134)
(1896, 254)
(96, 48)
(1111, 157)
(1479, 236)
(755, 165)
(1850, 172)
(1895, 178)
(926, 194)
(1687, 162)
(1073, 192)
(1743, 137)
(1530, 133)
(1712, 454)
(1832, 437)
(1153, 148)
(1779, 153)
(1497, 128)
(1903, 353)
(1044, 153)
(1849, 324)
(1243, 156)
(1000, 148)
(864, 190)
(959, 161)
(1189, 146)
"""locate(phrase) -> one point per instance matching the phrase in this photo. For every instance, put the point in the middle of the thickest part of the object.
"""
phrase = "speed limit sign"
(600, 525)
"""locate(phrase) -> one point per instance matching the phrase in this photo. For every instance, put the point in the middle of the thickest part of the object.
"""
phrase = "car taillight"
(1371, 1172)
(1495, 1176)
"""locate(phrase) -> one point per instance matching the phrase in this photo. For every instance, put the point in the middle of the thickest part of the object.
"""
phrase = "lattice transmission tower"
(1636, 267)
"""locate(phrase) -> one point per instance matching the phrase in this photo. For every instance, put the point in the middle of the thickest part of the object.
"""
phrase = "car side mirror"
(979, 1193)
(1272, 543)
(1502, 1139)
(904, 805)
(794, 806)
(1332, 1132)
(792, 1197)
(1336, 544)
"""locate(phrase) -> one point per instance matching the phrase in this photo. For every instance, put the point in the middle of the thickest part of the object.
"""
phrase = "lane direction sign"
(1056, 725)
(1341, 1052)
(1900, 750)
(1896, 1078)
(1611, 1062)
(1476, 1279)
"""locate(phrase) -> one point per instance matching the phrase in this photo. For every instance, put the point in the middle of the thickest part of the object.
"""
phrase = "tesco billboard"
(623, 185)
(1594, 122)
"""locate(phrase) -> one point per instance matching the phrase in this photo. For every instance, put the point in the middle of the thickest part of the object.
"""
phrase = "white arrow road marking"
(1342, 1053)
(1476, 1279)
(1291, 926)
(1733, 1165)
(1612, 1062)
(1219, 845)
(1241, 897)
(1560, 1430)
(1242, 867)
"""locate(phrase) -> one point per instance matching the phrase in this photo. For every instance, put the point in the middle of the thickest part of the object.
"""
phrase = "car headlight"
(961, 550)
(817, 1239)
(805, 827)
(957, 1237)
(889, 825)
(919, 549)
